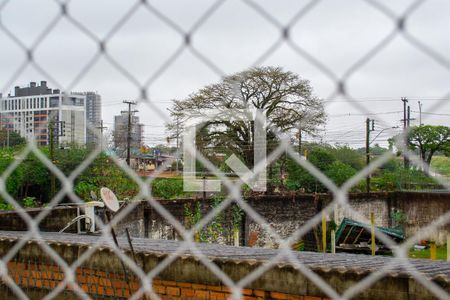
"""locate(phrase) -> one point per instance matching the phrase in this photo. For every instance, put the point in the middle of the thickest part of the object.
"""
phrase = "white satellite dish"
(110, 199)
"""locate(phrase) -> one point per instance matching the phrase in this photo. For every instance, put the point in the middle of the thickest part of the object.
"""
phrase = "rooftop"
(324, 263)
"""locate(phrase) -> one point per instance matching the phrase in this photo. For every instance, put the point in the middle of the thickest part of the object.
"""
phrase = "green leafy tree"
(11, 138)
(323, 158)
(402, 178)
(428, 140)
(103, 172)
(35, 178)
(349, 156)
(283, 97)
(68, 159)
(300, 178)
(340, 172)
(13, 182)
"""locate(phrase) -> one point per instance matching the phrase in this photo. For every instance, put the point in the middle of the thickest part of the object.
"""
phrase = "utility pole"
(177, 139)
(420, 113)
(368, 130)
(72, 128)
(101, 127)
(404, 100)
(129, 129)
(51, 129)
(405, 159)
(299, 141)
(409, 116)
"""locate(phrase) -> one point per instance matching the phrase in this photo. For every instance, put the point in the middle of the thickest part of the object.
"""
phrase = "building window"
(54, 102)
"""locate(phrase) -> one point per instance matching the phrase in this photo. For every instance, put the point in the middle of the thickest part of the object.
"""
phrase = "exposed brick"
(173, 291)
(259, 293)
(84, 287)
(169, 283)
(312, 298)
(184, 284)
(47, 284)
(201, 294)
(38, 283)
(106, 282)
(100, 290)
(247, 292)
(295, 297)
(159, 289)
(252, 238)
(277, 295)
(217, 288)
(198, 286)
(135, 285)
(109, 291)
(187, 292)
(126, 293)
(219, 296)
(249, 298)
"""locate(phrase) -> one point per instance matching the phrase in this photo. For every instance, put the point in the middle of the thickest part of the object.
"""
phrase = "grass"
(441, 164)
(441, 253)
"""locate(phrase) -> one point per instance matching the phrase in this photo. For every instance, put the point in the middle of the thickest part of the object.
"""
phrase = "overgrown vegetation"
(441, 253)
(441, 164)
(219, 229)
(341, 163)
(29, 181)
(326, 161)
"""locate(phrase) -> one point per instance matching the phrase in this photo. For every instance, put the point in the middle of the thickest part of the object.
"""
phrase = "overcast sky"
(335, 33)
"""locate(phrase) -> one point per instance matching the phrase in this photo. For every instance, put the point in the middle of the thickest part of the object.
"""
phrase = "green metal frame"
(398, 233)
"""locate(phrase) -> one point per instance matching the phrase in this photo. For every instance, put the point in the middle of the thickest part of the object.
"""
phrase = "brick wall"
(39, 279)
(186, 277)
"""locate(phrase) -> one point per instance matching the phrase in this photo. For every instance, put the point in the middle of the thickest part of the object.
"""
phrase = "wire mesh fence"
(68, 274)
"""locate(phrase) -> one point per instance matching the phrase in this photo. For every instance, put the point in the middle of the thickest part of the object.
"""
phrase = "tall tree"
(286, 100)
(427, 140)
(10, 138)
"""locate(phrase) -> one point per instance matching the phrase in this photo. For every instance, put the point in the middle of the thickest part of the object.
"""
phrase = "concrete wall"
(55, 220)
(285, 214)
(421, 209)
(186, 211)
(362, 205)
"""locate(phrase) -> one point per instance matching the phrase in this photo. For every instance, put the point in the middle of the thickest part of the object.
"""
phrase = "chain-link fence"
(283, 37)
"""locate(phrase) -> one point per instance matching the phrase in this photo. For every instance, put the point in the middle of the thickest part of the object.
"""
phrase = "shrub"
(29, 202)
(168, 188)
(339, 172)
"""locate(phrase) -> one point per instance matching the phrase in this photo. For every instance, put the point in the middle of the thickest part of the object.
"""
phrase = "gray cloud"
(336, 33)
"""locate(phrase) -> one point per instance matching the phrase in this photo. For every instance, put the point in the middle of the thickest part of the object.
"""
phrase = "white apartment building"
(31, 109)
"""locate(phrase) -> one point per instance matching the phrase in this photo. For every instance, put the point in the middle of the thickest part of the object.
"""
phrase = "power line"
(366, 114)
(431, 113)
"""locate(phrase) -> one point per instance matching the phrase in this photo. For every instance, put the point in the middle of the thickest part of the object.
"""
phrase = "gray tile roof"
(340, 262)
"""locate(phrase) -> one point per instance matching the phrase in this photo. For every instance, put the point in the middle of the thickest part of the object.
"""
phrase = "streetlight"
(368, 147)
(394, 127)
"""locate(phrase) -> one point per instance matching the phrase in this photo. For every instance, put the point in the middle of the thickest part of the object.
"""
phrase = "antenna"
(110, 199)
